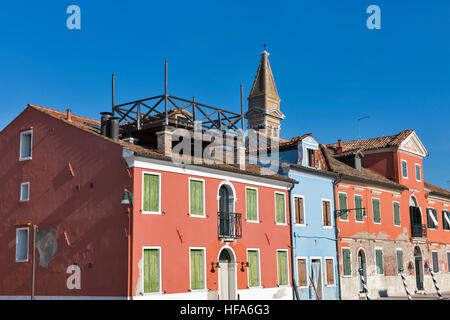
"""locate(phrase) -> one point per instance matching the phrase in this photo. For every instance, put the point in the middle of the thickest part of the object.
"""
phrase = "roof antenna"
(359, 126)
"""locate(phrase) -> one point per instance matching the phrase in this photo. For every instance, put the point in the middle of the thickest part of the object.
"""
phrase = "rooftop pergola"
(167, 110)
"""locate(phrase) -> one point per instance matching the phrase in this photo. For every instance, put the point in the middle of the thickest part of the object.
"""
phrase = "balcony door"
(227, 218)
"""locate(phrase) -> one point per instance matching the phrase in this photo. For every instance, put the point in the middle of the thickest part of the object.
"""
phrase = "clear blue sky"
(329, 68)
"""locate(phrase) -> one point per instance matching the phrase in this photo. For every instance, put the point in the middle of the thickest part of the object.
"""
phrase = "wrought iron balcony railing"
(418, 230)
(229, 225)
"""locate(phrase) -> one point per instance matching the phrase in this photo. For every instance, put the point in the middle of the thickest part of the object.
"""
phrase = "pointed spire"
(264, 84)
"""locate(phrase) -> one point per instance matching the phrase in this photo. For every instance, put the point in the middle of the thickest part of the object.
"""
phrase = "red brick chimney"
(69, 115)
(340, 147)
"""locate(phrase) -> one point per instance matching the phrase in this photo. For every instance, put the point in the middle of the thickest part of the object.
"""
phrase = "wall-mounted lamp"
(127, 197)
(212, 266)
(244, 264)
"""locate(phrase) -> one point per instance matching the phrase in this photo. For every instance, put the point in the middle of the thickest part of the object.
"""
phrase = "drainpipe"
(294, 286)
(336, 231)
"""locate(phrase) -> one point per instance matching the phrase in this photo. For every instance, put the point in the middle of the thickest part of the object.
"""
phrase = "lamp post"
(127, 199)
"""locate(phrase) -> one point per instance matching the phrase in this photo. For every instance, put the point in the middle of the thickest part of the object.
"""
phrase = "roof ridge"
(367, 139)
(62, 112)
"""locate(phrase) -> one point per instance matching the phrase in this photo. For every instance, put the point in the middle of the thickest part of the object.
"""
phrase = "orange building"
(384, 217)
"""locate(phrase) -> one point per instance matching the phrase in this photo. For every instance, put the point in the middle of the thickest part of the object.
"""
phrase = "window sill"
(197, 216)
(25, 159)
(151, 212)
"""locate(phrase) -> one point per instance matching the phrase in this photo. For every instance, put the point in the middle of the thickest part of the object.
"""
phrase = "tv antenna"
(359, 125)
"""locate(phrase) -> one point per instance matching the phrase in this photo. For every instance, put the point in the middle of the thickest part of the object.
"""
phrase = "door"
(316, 276)
(362, 265)
(227, 276)
(419, 268)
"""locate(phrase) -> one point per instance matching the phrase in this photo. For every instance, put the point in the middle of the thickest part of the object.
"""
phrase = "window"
(358, 165)
(343, 213)
(311, 158)
(329, 265)
(197, 263)
(152, 270)
(299, 210)
(25, 191)
(396, 209)
(379, 261)
(404, 169)
(196, 197)
(418, 173)
(22, 235)
(280, 208)
(376, 210)
(435, 258)
(251, 197)
(432, 222)
(346, 262)
(253, 268)
(302, 273)
(282, 265)
(151, 193)
(446, 219)
(26, 145)
(326, 213)
(399, 254)
(358, 206)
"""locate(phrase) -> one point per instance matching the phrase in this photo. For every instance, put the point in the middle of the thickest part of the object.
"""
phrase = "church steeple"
(263, 102)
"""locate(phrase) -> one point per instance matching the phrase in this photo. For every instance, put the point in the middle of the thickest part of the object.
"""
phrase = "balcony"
(418, 230)
(229, 225)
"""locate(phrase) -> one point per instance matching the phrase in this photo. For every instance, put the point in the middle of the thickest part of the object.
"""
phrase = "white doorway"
(227, 275)
(316, 277)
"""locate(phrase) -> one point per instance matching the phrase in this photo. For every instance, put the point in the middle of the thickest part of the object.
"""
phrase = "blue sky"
(330, 69)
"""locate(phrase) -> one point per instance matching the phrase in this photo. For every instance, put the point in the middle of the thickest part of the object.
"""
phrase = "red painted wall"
(91, 215)
(383, 163)
(162, 230)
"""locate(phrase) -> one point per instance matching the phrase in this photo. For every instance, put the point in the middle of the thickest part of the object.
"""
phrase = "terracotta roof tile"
(437, 190)
(93, 126)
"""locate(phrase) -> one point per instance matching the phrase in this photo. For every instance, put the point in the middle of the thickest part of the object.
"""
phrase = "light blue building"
(312, 215)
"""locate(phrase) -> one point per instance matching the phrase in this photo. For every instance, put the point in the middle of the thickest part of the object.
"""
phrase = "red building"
(194, 231)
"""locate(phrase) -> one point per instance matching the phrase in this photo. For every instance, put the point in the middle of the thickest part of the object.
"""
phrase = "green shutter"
(197, 269)
(151, 193)
(196, 197)
(346, 264)
(282, 268)
(379, 261)
(280, 208)
(343, 206)
(151, 270)
(253, 269)
(358, 207)
(396, 213)
(376, 210)
(399, 260)
(251, 204)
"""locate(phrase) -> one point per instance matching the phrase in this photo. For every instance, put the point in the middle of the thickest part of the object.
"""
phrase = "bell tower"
(264, 112)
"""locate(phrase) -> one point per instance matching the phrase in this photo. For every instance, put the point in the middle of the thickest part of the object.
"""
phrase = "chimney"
(340, 147)
(113, 123)
(69, 115)
(105, 128)
(164, 141)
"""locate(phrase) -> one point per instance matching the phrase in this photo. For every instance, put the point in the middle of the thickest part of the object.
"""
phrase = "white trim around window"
(343, 262)
(326, 272)
(396, 259)
(373, 212)
(22, 192)
(307, 272)
(382, 261)
(346, 197)
(285, 208)
(432, 261)
(257, 205)
(331, 213)
(189, 198)
(204, 269)
(399, 213)
(160, 271)
(362, 204)
(287, 267)
(401, 168)
(27, 244)
(420, 172)
(23, 133)
(159, 192)
(259, 268)
(304, 211)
